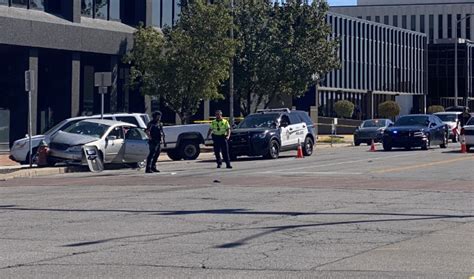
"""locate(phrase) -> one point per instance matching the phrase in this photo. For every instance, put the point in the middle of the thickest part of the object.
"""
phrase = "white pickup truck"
(184, 141)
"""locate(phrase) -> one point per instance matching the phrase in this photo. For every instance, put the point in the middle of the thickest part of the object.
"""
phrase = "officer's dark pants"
(153, 154)
(221, 146)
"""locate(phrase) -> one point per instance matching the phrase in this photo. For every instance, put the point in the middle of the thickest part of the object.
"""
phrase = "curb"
(22, 173)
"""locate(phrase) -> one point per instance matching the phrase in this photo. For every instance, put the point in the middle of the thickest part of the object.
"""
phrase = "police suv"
(268, 132)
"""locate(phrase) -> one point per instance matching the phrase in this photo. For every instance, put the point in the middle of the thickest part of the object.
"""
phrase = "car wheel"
(174, 155)
(468, 148)
(387, 147)
(233, 157)
(273, 150)
(407, 148)
(138, 165)
(308, 146)
(356, 142)
(425, 145)
(190, 150)
(445, 142)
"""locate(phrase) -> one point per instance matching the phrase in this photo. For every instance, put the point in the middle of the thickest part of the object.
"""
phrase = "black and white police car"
(268, 132)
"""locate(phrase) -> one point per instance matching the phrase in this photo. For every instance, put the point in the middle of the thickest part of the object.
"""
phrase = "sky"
(342, 2)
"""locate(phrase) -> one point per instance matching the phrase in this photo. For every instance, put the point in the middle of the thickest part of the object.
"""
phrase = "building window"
(395, 21)
(101, 8)
(114, 9)
(377, 19)
(431, 28)
(440, 26)
(450, 26)
(37, 4)
(422, 23)
(468, 28)
(168, 9)
(23, 3)
(413, 22)
(86, 7)
(385, 20)
(368, 18)
(404, 22)
(458, 26)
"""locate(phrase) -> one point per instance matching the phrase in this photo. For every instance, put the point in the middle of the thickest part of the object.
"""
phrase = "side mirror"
(111, 137)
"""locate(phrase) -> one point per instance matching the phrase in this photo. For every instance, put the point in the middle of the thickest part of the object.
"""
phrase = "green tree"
(435, 109)
(281, 46)
(389, 109)
(193, 61)
(344, 108)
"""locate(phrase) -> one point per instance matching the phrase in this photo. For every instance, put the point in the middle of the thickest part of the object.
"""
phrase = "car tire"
(190, 150)
(468, 148)
(273, 150)
(356, 142)
(387, 147)
(425, 145)
(407, 148)
(308, 146)
(233, 157)
(174, 155)
(445, 142)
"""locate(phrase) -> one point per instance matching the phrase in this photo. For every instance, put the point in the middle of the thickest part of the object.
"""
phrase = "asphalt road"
(342, 213)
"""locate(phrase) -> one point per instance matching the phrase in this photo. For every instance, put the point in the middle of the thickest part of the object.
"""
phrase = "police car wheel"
(174, 155)
(308, 147)
(273, 150)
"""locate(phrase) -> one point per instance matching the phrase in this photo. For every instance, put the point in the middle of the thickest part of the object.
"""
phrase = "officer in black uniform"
(464, 117)
(155, 134)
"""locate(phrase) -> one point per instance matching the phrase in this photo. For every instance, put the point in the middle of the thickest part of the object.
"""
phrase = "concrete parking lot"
(342, 213)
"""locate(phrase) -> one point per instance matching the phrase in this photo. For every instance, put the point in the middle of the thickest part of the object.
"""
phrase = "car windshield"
(413, 120)
(471, 121)
(373, 123)
(61, 126)
(447, 117)
(259, 121)
(91, 129)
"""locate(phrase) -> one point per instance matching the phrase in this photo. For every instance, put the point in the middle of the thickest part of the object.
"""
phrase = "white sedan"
(116, 142)
(468, 131)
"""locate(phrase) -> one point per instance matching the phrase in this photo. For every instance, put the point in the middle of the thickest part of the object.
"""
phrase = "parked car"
(20, 149)
(416, 130)
(468, 132)
(451, 118)
(371, 130)
(268, 132)
(116, 142)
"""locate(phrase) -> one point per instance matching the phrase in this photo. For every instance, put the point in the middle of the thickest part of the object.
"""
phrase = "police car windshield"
(413, 120)
(95, 130)
(373, 123)
(259, 121)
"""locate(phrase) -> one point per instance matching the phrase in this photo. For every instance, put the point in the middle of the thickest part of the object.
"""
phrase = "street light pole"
(231, 74)
(456, 62)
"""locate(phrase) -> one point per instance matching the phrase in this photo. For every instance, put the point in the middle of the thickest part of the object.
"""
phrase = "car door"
(437, 130)
(113, 145)
(298, 129)
(285, 136)
(136, 145)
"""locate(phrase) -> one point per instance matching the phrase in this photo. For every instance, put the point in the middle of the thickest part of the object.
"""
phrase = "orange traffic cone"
(299, 154)
(463, 144)
(372, 147)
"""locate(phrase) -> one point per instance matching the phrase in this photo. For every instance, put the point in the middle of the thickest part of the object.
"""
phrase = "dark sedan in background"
(371, 130)
(416, 130)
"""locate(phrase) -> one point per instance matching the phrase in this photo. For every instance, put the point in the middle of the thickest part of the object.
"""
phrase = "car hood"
(251, 130)
(72, 139)
(407, 128)
(33, 138)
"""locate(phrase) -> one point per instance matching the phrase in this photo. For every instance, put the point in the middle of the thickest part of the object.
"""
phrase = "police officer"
(155, 134)
(220, 129)
(464, 117)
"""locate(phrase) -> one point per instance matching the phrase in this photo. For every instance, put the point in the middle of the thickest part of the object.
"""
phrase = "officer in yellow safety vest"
(220, 129)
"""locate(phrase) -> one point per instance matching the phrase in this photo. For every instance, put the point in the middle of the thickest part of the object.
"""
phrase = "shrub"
(389, 109)
(435, 109)
(344, 108)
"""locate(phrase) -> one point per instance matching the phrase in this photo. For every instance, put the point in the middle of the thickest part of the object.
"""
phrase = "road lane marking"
(291, 170)
(317, 172)
(418, 166)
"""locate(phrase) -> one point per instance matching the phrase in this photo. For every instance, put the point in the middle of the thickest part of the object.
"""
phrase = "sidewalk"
(6, 162)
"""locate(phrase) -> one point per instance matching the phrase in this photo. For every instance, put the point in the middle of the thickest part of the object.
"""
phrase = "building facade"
(444, 22)
(65, 43)
(378, 63)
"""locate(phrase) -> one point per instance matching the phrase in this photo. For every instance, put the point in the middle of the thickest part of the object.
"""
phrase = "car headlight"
(260, 136)
(75, 149)
(418, 134)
